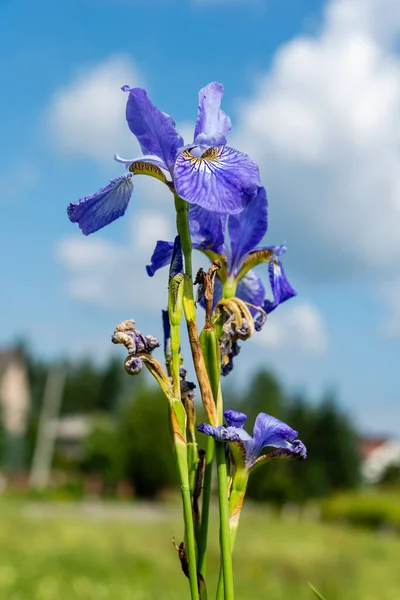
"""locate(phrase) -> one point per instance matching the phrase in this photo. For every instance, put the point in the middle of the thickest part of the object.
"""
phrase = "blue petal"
(176, 267)
(222, 180)
(154, 129)
(268, 431)
(281, 288)
(235, 418)
(212, 123)
(161, 257)
(167, 329)
(248, 228)
(105, 206)
(224, 434)
(207, 229)
(251, 289)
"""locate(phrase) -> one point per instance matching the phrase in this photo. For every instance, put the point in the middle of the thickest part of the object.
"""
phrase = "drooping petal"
(154, 129)
(224, 434)
(269, 431)
(281, 288)
(161, 257)
(212, 123)
(251, 289)
(176, 266)
(207, 229)
(105, 206)
(248, 228)
(235, 418)
(222, 180)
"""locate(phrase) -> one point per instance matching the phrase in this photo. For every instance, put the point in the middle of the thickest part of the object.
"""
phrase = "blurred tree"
(145, 440)
(103, 452)
(112, 383)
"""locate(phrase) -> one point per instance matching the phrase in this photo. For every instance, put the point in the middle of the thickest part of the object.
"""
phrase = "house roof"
(369, 445)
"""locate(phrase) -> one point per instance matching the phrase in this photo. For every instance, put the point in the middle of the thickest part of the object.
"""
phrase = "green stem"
(182, 223)
(238, 492)
(225, 534)
(191, 544)
(205, 507)
(178, 422)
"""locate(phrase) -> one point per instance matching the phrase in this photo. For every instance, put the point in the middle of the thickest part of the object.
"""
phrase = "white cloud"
(295, 326)
(87, 116)
(324, 124)
(112, 275)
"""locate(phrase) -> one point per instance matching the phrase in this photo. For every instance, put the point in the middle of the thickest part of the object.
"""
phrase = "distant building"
(378, 454)
(14, 392)
(69, 432)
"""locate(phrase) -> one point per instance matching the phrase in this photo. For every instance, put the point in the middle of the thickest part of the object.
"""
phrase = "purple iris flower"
(206, 173)
(238, 251)
(267, 431)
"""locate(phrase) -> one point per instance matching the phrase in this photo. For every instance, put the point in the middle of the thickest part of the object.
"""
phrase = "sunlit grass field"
(99, 552)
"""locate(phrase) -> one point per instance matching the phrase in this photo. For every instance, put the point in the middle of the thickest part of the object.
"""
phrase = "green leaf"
(316, 592)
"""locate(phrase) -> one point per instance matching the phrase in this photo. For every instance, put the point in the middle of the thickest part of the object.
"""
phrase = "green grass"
(68, 552)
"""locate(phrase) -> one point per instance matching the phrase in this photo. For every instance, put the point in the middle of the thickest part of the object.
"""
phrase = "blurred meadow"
(101, 552)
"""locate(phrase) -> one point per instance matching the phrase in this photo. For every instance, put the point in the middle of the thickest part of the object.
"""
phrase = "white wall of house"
(379, 460)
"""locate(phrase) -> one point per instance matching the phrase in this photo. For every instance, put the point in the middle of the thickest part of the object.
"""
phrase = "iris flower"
(206, 173)
(238, 251)
(267, 431)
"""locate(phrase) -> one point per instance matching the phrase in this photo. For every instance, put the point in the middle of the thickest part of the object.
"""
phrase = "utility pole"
(47, 431)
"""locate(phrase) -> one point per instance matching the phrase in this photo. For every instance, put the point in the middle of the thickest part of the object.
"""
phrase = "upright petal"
(281, 288)
(248, 228)
(212, 123)
(269, 431)
(154, 129)
(207, 229)
(222, 180)
(161, 257)
(251, 289)
(235, 418)
(105, 206)
(167, 330)
(176, 266)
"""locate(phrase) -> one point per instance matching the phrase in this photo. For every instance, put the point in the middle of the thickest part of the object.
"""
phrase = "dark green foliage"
(374, 510)
(145, 441)
(103, 452)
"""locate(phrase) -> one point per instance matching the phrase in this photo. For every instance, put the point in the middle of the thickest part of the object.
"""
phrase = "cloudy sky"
(313, 91)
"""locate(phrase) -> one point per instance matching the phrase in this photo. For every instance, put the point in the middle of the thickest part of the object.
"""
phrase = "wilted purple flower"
(267, 431)
(206, 173)
(135, 342)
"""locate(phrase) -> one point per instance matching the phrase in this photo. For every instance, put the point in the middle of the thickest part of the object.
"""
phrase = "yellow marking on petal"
(145, 168)
(253, 259)
(212, 154)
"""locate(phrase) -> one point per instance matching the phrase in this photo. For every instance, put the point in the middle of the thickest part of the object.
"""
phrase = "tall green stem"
(191, 544)
(178, 425)
(182, 223)
(225, 534)
(205, 507)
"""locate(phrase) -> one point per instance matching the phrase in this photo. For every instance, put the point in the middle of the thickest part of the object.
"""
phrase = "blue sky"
(313, 91)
